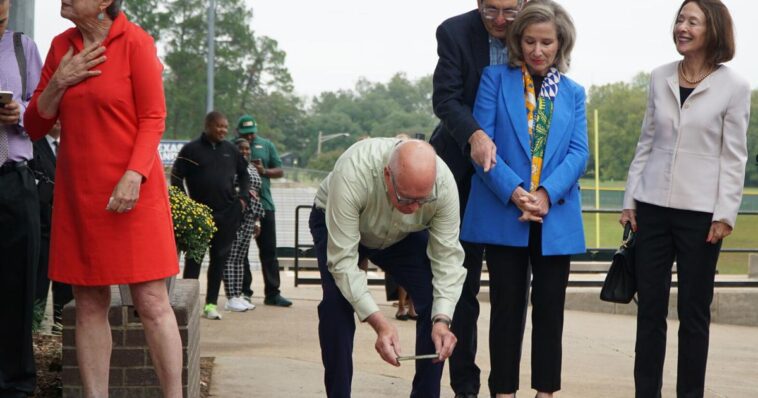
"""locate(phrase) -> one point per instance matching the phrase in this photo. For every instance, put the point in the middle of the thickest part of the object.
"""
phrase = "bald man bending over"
(395, 203)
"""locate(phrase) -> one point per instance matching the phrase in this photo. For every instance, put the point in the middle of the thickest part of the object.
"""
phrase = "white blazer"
(692, 157)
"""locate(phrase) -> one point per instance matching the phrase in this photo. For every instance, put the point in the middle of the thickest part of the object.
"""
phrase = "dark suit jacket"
(44, 164)
(463, 49)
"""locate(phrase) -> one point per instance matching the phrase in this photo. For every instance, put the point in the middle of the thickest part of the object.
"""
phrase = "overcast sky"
(331, 43)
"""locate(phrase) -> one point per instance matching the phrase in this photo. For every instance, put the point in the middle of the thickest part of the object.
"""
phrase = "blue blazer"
(490, 216)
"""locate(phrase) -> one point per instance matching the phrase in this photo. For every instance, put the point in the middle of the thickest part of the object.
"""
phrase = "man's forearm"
(377, 321)
(273, 173)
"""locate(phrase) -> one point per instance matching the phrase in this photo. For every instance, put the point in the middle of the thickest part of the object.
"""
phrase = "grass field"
(590, 183)
(744, 236)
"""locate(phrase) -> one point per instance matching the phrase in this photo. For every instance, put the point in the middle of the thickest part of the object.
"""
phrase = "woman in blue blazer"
(527, 209)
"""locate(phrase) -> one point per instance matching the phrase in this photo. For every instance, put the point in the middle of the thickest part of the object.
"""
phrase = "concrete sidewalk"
(274, 352)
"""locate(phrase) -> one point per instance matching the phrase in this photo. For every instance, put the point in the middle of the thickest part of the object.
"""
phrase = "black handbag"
(620, 284)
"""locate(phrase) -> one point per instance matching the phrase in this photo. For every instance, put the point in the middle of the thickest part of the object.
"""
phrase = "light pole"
(22, 17)
(325, 138)
(211, 53)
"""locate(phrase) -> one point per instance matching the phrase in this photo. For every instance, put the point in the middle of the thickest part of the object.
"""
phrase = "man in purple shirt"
(19, 214)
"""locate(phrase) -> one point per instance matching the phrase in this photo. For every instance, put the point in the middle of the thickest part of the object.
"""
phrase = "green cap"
(247, 125)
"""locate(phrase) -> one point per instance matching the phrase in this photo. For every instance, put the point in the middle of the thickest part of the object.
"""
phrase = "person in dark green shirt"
(264, 157)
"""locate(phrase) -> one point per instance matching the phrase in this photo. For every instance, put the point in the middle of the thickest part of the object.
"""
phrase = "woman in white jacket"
(684, 190)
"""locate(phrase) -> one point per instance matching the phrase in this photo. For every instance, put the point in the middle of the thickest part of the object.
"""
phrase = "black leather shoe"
(466, 395)
(277, 300)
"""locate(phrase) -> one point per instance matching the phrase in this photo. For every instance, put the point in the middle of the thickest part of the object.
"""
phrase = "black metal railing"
(594, 254)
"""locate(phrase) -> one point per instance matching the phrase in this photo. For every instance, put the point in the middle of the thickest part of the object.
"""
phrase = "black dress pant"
(62, 293)
(42, 283)
(19, 245)
(509, 269)
(227, 222)
(665, 235)
(464, 374)
(266, 242)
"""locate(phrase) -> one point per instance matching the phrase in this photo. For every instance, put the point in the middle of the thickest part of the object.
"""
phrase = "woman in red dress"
(111, 221)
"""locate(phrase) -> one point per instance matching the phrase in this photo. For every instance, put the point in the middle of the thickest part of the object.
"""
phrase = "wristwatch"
(441, 319)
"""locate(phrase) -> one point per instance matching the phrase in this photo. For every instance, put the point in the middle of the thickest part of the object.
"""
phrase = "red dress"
(109, 124)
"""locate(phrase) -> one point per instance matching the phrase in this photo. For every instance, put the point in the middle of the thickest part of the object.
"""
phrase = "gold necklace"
(695, 81)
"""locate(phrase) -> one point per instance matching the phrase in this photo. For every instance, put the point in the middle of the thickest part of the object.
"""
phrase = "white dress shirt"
(54, 143)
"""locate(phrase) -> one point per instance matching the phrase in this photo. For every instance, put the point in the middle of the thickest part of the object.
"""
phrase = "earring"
(101, 16)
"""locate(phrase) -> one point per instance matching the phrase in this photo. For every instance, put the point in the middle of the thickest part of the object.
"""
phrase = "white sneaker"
(236, 304)
(211, 312)
(248, 300)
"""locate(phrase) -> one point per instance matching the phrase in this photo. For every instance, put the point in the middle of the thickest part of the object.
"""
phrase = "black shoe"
(277, 300)
(467, 395)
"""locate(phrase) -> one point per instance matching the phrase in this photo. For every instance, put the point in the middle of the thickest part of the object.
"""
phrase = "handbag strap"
(628, 235)
(18, 48)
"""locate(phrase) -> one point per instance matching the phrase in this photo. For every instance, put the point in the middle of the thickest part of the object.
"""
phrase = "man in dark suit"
(43, 164)
(466, 44)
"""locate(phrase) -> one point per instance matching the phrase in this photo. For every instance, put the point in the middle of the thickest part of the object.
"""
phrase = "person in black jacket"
(466, 44)
(208, 166)
(43, 165)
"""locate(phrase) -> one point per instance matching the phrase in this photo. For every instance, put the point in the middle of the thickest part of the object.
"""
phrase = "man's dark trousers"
(19, 245)
(62, 293)
(465, 376)
(227, 222)
(266, 242)
(408, 263)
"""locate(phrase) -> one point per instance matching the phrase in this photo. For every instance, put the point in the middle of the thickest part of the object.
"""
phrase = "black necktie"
(55, 148)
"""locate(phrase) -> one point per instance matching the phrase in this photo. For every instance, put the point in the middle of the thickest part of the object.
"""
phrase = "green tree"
(621, 108)
(151, 15)
(185, 59)
(400, 106)
(249, 68)
(326, 161)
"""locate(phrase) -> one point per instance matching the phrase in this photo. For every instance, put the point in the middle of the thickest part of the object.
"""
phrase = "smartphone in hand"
(6, 97)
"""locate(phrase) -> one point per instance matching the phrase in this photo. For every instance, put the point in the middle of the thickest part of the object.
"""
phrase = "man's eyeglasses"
(492, 13)
(408, 201)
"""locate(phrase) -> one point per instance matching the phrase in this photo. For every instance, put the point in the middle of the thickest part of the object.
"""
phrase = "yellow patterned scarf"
(539, 113)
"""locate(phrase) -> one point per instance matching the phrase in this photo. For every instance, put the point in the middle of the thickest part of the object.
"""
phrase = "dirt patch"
(206, 373)
(48, 353)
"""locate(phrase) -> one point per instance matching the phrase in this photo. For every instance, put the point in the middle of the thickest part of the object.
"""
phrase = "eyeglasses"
(492, 13)
(408, 201)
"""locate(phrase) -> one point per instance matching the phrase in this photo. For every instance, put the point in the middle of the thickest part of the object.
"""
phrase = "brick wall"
(132, 374)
